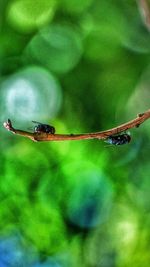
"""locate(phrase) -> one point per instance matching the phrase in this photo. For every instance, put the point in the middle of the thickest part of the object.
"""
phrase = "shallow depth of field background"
(82, 66)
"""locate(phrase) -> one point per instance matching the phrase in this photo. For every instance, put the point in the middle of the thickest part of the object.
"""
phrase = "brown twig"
(144, 8)
(63, 137)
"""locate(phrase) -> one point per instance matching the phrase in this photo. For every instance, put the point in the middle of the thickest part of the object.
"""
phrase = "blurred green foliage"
(82, 66)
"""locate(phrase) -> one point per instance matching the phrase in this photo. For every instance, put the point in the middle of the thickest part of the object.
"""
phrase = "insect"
(120, 139)
(43, 128)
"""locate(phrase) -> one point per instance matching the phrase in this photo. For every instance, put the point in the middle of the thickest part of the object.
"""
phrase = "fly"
(120, 139)
(43, 128)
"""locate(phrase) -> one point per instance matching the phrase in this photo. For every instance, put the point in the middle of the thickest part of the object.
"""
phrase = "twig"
(63, 137)
(144, 8)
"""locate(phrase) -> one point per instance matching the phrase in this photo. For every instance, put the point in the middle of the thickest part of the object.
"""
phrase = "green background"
(81, 66)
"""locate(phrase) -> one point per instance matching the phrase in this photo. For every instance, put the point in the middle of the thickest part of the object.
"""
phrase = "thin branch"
(144, 8)
(63, 137)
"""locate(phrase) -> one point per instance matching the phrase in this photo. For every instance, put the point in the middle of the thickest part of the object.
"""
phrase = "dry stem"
(144, 8)
(63, 137)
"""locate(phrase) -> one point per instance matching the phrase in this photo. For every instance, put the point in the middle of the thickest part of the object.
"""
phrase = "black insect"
(120, 139)
(43, 128)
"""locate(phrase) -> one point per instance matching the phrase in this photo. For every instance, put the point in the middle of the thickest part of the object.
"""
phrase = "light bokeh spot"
(90, 198)
(31, 94)
(29, 15)
(57, 47)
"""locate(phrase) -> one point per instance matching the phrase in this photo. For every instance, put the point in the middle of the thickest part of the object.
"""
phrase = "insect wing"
(38, 122)
(108, 141)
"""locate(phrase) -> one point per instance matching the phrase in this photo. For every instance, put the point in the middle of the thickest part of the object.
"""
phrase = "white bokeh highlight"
(30, 94)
